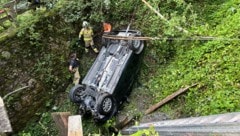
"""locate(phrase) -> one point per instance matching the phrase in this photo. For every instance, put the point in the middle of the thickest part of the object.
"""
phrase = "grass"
(212, 64)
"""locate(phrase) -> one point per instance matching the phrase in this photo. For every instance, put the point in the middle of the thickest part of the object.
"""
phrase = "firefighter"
(73, 67)
(87, 34)
(106, 27)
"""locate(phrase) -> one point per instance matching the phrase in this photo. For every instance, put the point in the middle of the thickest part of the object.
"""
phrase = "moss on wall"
(36, 56)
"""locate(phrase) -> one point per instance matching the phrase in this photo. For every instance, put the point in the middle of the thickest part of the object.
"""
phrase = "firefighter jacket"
(87, 34)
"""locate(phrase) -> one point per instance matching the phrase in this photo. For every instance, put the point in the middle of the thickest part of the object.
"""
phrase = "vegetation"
(169, 64)
(146, 132)
(213, 64)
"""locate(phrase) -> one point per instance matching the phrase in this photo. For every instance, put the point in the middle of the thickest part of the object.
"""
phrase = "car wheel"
(76, 93)
(106, 104)
(136, 46)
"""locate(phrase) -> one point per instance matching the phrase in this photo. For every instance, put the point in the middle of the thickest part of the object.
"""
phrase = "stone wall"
(40, 64)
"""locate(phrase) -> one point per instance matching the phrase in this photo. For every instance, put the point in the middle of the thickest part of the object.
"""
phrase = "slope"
(212, 64)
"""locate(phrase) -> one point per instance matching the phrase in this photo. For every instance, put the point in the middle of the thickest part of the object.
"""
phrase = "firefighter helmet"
(85, 24)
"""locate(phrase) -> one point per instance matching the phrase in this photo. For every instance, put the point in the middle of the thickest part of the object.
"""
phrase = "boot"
(95, 50)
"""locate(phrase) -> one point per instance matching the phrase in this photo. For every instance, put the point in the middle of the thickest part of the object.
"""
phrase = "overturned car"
(110, 79)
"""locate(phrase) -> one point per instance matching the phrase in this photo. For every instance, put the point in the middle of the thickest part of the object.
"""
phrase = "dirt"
(139, 100)
(155, 116)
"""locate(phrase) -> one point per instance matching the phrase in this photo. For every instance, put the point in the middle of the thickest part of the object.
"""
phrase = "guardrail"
(220, 125)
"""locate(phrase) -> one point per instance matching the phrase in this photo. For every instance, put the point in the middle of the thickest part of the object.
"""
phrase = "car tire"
(76, 93)
(106, 104)
(137, 46)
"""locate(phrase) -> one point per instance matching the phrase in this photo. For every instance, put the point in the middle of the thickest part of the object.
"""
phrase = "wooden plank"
(1, 102)
(115, 37)
(75, 126)
(193, 38)
(168, 98)
(61, 121)
(5, 125)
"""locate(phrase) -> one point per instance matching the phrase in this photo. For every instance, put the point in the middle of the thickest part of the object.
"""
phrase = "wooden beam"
(61, 121)
(5, 125)
(168, 98)
(75, 126)
(115, 37)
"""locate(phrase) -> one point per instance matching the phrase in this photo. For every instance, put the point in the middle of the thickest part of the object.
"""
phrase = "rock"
(32, 82)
